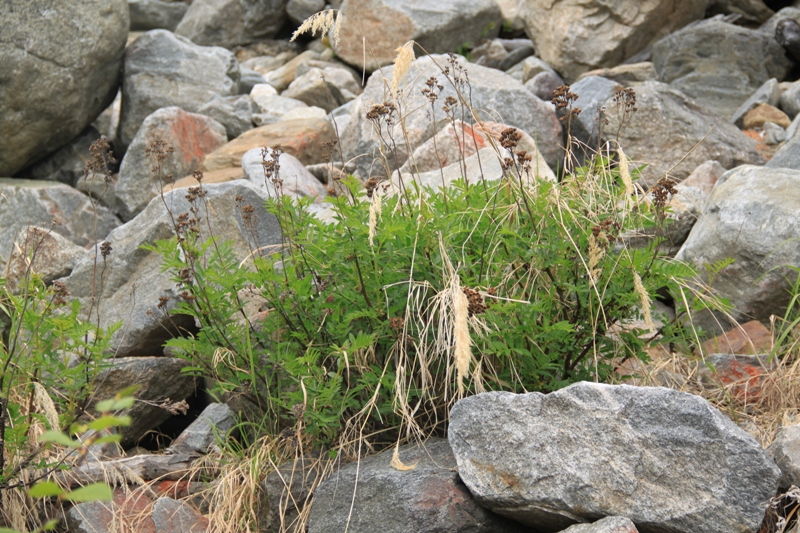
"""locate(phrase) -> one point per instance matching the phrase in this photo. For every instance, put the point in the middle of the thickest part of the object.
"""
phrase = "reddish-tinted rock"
(129, 511)
(745, 377)
(173, 516)
(750, 338)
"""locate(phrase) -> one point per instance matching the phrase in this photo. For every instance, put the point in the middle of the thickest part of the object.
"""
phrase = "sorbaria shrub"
(374, 324)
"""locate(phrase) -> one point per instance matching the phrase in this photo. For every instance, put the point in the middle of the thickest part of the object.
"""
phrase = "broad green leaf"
(45, 489)
(108, 421)
(58, 438)
(90, 493)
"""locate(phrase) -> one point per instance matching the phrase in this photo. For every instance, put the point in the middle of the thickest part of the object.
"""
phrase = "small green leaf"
(108, 438)
(58, 438)
(45, 489)
(90, 493)
(108, 421)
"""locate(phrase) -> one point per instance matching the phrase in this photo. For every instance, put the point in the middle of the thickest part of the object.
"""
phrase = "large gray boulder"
(788, 156)
(133, 280)
(189, 136)
(163, 70)
(67, 164)
(47, 205)
(60, 69)
(429, 497)
(437, 27)
(230, 23)
(665, 131)
(667, 460)
(575, 36)
(593, 93)
(494, 95)
(785, 451)
(719, 65)
(750, 217)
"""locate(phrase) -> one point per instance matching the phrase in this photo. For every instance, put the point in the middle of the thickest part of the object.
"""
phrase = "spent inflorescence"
(475, 301)
(100, 160)
(60, 293)
(432, 89)
(662, 191)
(382, 112)
(270, 160)
(370, 185)
(563, 99)
(626, 100)
(606, 232)
(105, 249)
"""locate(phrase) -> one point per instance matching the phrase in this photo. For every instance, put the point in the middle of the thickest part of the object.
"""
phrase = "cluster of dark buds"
(100, 159)
(509, 138)
(626, 99)
(370, 185)
(397, 324)
(662, 191)
(384, 111)
(328, 147)
(432, 89)
(60, 293)
(270, 160)
(606, 232)
(477, 305)
(563, 99)
(105, 249)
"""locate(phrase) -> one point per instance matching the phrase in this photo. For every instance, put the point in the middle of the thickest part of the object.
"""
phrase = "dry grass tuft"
(322, 22)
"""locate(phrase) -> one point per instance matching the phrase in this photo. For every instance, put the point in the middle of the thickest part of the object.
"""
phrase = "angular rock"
(787, 34)
(788, 156)
(127, 512)
(785, 451)
(298, 182)
(429, 497)
(43, 252)
(494, 95)
(515, 56)
(773, 134)
(543, 84)
(612, 524)
(300, 10)
(626, 73)
(769, 93)
(301, 138)
(438, 27)
(790, 99)
(60, 69)
(163, 70)
(160, 379)
(763, 113)
(489, 54)
(593, 93)
(173, 516)
(233, 112)
(719, 65)
(590, 450)
(250, 78)
(705, 176)
(750, 217)
(214, 422)
(327, 88)
(134, 281)
(264, 64)
(188, 135)
(156, 14)
(666, 128)
(579, 35)
(744, 377)
(230, 23)
(271, 108)
(40, 203)
(281, 77)
(67, 165)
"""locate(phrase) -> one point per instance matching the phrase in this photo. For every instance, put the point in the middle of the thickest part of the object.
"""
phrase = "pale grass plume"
(44, 404)
(375, 208)
(596, 254)
(644, 299)
(322, 22)
(402, 64)
(462, 353)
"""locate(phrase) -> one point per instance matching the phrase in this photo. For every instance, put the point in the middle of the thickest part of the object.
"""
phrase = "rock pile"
(700, 92)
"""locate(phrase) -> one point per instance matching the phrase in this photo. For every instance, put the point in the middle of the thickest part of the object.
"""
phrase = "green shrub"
(520, 285)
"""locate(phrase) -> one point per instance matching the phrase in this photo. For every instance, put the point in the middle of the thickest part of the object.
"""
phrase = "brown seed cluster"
(476, 303)
(105, 249)
(397, 324)
(563, 99)
(626, 99)
(384, 111)
(606, 232)
(60, 293)
(432, 89)
(662, 191)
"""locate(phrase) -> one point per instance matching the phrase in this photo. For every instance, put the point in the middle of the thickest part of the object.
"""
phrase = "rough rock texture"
(134, 281)
(705, 176)
(289, 490)
(302, 138)
(790, 100)
(215, 421)
(495, 95)
(232, 22)
(300, 10)
(785, 451)
(543, 84)
(327, 88)
(173, 516)
(127, 512)
(156, 14)
(297, 181)
(750, 11)
(438, 27)
(73, 50)
(574, 36)
(612, 524)
(666, 128)
(751, 338)
(160, 378)
(665, 459)
(190, 77)
(626, 73)
(593, 93)
(788, 156)
(39, 203)
(43, 252)
(750, 217)
(233, 112)
(431, 497)
(189, 135)
(763, 113)
(719, 65)
(744, 377)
